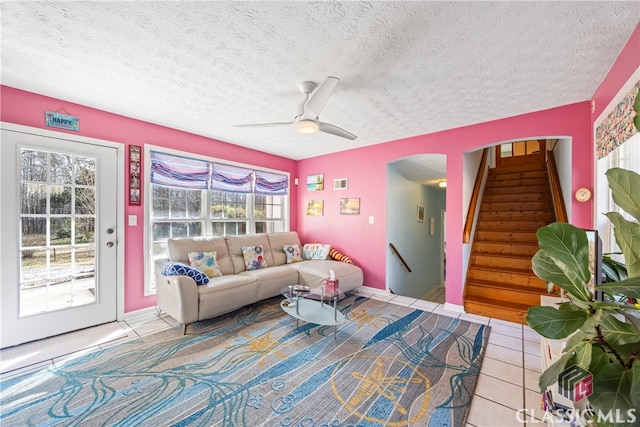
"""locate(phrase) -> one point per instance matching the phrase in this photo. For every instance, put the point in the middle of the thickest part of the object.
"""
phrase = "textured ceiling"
(406, 68)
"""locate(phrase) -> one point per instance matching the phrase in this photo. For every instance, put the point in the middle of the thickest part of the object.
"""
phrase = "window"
(617, 145)
(626, 156)
(194, 197)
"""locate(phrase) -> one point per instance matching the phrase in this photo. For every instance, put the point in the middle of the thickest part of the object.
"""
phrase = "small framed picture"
(315, 182)
(350, 206)
(315, 207)
(420, 213)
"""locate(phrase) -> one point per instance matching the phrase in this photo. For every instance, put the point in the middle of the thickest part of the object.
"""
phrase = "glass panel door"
(58, 227)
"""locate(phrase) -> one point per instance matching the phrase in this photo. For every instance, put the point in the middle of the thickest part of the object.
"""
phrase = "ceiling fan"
(306, 119)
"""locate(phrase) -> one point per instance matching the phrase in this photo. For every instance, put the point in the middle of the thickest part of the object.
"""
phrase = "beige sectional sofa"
(182, 299)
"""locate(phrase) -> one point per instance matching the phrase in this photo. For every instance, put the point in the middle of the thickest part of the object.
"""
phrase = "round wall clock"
(583, 194)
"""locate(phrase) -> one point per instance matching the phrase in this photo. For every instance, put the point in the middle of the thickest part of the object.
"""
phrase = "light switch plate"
(133, 220)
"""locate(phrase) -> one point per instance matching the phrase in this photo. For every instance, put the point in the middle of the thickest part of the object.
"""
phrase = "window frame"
(205, 213)
(603, 200)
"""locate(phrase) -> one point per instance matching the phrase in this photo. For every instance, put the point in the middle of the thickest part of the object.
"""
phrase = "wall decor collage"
(134, 175)
(315, 207)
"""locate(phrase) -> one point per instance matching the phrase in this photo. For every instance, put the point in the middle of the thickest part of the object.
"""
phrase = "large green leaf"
(612, 390)
(555, 271)
(550, 376)
(599, 359)
(628, 237)
(553, 323)
(581, 354)
(625, 190)
(618, 333)
(629, 287)
(563, 258)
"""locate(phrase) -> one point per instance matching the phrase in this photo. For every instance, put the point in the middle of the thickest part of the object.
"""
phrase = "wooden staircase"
(500, 282)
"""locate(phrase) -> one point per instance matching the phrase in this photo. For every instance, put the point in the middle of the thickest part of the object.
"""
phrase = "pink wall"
(627, 62)
(28, 109)
(365, 169)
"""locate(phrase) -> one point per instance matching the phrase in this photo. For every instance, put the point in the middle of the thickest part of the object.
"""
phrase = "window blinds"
(177, 171)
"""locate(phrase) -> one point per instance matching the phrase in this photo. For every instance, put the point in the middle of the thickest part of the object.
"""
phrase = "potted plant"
(603, 337)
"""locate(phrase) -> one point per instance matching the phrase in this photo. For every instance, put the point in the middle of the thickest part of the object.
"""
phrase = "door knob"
(109, 244)
(109, 230)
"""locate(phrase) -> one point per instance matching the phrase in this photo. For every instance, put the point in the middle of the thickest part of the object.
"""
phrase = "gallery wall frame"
(135, 189)
(350, 206)
(315, 182)
(315, 207)
(420, 213)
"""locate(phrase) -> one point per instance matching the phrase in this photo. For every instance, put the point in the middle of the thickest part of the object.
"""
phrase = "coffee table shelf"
(311, 305)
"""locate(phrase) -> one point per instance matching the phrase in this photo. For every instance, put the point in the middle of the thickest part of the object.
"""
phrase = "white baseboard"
(141, 312)
(375, 291)
(454, 307)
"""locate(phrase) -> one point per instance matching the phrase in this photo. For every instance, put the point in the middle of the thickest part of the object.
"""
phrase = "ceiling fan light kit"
(307, 119)
(307, 126)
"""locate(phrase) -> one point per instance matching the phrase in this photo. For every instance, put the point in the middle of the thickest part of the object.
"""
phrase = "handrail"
(556, 189)
(395, 251)
(475, 197)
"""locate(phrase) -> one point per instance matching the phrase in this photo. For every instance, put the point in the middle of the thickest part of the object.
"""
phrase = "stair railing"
(556, 190)
(395, 251)
(475, 197)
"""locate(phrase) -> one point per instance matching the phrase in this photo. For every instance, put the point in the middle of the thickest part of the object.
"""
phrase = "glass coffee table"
(313, 305)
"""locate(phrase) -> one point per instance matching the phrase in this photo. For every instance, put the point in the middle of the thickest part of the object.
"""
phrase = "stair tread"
(507, 286)
(505, 305)
(507, 242)
(508, 256)
(506, 269)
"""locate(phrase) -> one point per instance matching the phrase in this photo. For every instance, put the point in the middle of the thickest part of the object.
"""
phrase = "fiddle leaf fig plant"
(602, 337)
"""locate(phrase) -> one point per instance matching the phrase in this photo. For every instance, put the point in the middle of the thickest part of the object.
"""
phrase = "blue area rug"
(388, 366)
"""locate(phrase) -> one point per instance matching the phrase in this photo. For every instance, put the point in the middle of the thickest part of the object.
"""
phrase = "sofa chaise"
(180, 297)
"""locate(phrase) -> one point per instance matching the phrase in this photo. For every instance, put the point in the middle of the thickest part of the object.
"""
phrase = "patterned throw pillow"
(339, 256)
(315, 251)
(254, 257)
(179, 269)
(207, 262)
(293, 253)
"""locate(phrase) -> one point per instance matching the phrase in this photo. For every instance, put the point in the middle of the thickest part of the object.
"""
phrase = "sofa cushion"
(178, 249)
(180, 269)
(206, 262)
(314, 273)
(271, 280)
(235, 244)
(316, 251)
(226, 293)
(278, 240)
(254, 257)
(293, 253)
(232, 281)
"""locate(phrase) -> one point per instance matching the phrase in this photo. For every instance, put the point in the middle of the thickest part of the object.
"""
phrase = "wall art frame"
(135, 188)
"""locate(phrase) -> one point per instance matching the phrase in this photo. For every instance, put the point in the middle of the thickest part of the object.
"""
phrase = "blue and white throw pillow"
(254, 257)
(179, 269)
(293, 253)
(315, 251)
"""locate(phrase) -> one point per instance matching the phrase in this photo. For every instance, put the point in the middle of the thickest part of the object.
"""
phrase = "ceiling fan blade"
(319, 97)
(264, 125)
(335, 130)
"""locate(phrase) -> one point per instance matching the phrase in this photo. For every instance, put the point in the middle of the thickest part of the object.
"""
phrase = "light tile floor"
(435, 295)
(506, 393)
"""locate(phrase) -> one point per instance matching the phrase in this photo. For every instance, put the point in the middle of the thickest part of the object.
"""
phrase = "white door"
(58, 252)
